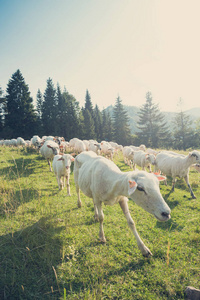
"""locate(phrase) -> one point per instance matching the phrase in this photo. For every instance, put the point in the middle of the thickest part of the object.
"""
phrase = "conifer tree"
(20, 116)
(1, 110)
(71, 117)
(107, 126)
(89, 128)
(184, 134)
(39, 104)
(49, 109)
(98, 123)
(88, 104)
(153, 128)
(121, 127)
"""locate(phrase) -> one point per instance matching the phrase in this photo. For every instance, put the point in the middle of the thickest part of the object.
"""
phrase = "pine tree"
(121, 127)
(184, 135)
(88, 104)
(39, 104)
(89, 128)
(153, 128)
(49, 109)
(107, 126)
(72, 118)
(20, 118)
(2, 100)
(98, 123)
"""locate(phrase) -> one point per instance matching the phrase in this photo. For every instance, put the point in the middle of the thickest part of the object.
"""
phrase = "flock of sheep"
(98, 177)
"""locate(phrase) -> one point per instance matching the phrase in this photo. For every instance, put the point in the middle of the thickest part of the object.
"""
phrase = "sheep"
(100, 179)
(95, 147)
(151, 151)
(48, 150)
(143, 159)
(107, 150)
(79, 146)
(177, 166)
(61, 166)
(21, 142)
(141, 147)
(128, 154)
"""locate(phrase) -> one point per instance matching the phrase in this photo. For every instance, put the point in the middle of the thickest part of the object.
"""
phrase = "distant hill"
(132, 111)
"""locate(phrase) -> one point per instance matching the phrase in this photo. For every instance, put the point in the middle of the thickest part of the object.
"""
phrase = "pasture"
(49, 248)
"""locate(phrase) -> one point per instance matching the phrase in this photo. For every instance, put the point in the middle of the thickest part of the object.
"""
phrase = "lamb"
(61, 166)
(48, 150)
(143, 159)
(177, 166)
(100, 179)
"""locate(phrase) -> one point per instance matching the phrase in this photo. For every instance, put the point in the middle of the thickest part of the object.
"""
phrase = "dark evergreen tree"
(2, 100)
(121, 127)
(89, 128)
(39, 104)
(88, 104)
(72, 118)
(153, 128)
(98, 123)
(107, 126)
(20, 118)
(49, 109)
(184, 134)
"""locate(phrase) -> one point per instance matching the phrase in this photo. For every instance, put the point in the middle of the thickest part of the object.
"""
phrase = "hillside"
(132, 111)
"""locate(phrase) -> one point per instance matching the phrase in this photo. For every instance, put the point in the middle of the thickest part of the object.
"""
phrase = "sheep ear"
(72, 158)
(49, 146)
(160, 177)
(132, 185)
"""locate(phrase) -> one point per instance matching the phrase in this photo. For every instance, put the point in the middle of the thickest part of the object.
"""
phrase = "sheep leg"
(68, 186)
(124, 206)
(191, 191)
(96, 216)
(101, 217)
(49, 165)
(59, 182)
(79, 198)
(173, 183)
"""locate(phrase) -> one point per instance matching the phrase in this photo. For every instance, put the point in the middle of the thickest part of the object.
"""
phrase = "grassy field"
(49, 248)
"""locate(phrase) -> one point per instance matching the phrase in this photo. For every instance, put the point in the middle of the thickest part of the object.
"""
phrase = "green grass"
(49, 248)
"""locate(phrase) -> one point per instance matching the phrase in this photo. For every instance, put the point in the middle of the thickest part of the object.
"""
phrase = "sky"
(111, 48)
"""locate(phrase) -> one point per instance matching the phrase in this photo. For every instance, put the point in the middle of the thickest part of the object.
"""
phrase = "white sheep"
(143, 160)
(48, 150)
(107, 150)
(79, 146)
(95, 147)
(151, 151)
(177, 166)
(21, 142)
(100, 179)
(128, 154)
(61, 166)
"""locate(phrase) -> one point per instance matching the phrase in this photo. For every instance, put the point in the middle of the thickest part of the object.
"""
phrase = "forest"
(59, 113)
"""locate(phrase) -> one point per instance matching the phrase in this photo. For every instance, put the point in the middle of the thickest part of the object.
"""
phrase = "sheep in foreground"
(143, 160)
(48, 150)
(177, 166)
(100, 179)
(61, 166)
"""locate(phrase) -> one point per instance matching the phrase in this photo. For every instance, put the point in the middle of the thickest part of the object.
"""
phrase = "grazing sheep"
(128, 154)
(177, 166)
(151, 151)
(100, 179)
(48, 150)
(21, 142)
(61, 166)
(143, 159)
(107, 150)
(79, 146)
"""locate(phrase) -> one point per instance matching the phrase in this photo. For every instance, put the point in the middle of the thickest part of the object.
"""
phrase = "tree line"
(58, 113)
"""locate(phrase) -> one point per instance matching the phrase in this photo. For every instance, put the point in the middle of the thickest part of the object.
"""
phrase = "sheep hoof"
(146, 252)
(194, 197)
(79, 204)
(102, 240)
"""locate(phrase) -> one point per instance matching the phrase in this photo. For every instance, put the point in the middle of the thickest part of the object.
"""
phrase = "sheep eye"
(140, 189)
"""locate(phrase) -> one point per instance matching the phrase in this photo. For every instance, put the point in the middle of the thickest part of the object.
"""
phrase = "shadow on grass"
(28, 260)
(169, 225)
(12, 199)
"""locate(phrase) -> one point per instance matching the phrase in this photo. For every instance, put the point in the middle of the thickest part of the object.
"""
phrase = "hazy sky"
(110, 47)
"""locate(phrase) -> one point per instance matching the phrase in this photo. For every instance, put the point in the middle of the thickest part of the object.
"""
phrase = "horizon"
(109, 48)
